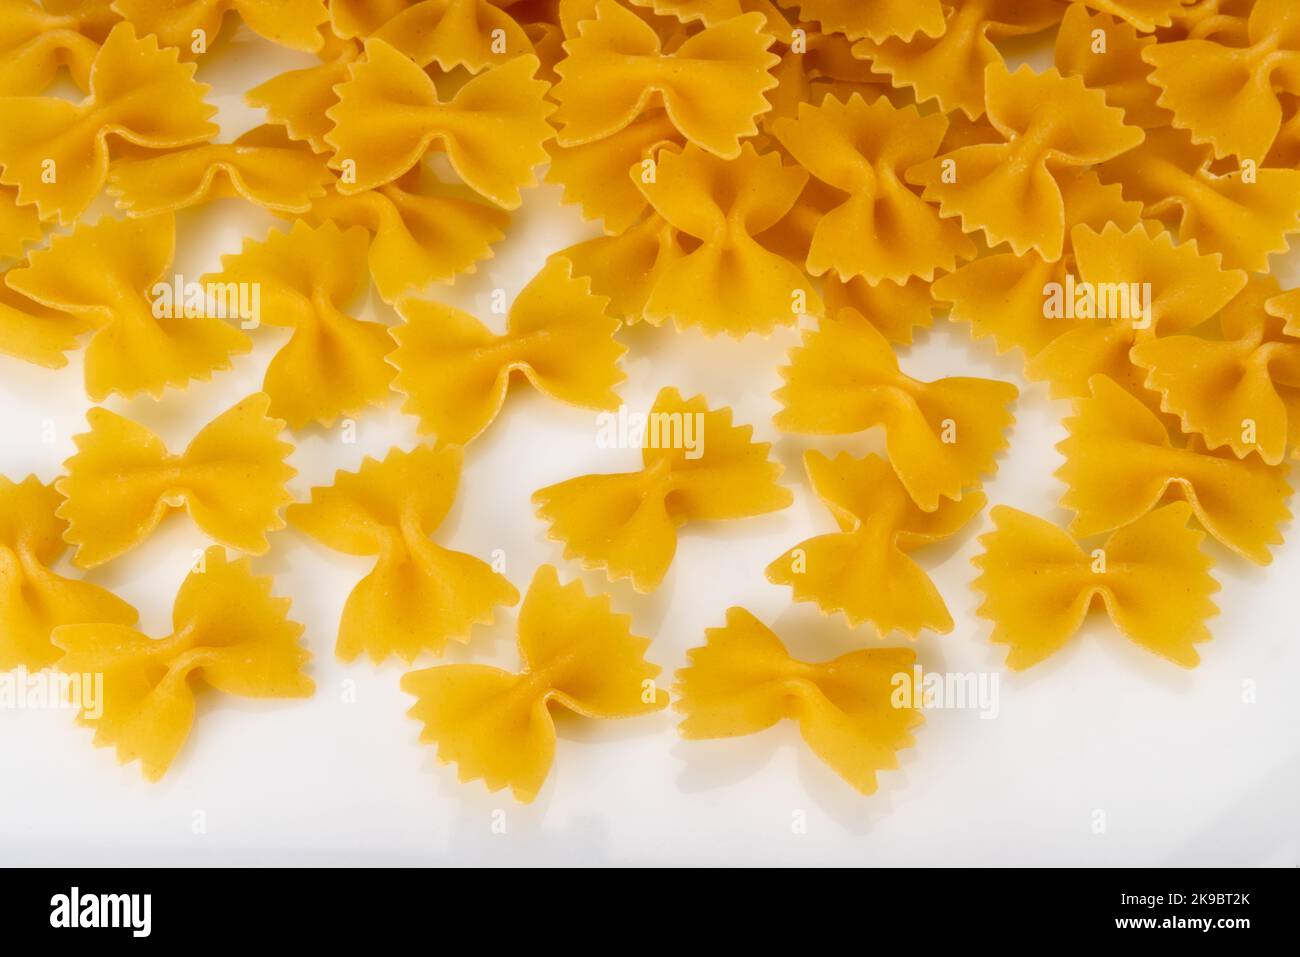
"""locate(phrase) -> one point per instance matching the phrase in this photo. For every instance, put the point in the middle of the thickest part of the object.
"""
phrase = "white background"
(1184, 771)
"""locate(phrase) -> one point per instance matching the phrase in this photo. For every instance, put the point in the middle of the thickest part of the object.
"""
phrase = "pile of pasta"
(849, 167)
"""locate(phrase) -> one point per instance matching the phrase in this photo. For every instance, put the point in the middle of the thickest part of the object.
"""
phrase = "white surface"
(1184, 770)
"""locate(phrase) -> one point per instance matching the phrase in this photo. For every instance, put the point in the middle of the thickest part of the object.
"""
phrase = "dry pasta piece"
(290, 23)
(35, 42)
(333, 364)
(419, 595)
(1245, 218)
(950, 66)
(455, 373)
(388, 116)
(897, 310)
(299, 100)
(710, 13)
(1227, 96)
(941, 435)
(883, 230)
(475, 34)
(35, 333)
(1286, 306)
(711, 86)
(1242, 392)
(730, 283)
(1144, 15)
(1010, 190)
(697, 467)
(263, 166)
(626, 268)
(360, 18)
(863, 570)
(1107, 54)
(1151, 576)
(1120, 463)
(1002, 296)
(423, 231)
(1131, 286)
(743, 681)
(227, 630)
(33, 599)
(595, 175)
(116, 277)
(877, 19)
(122, 482)
(56, 152)
(575, 651)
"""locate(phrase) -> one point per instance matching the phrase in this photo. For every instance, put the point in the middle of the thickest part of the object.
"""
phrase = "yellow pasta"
(290, 23)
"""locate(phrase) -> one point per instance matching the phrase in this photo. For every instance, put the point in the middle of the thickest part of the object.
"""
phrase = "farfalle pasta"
(34, 600)
(455, 373)
(262, 166)
(1009, 190)
(422, 230)
(333, 364)
(942, 436)
(1243, 391)
(1039, 584)
(388, 115)
(729, 283)
(475, 34)
(1107, 54)
(35, 42)
(419, 595)
(300, 100)
(626, 268)
(122, 482)
(877, 19)
(35, 333)
(1228, 95)
(743, 681)
(883, 231)
(711, 86)
(227, 629)
(575, 651)
(863, 570)
(698, 466)
(115, 276)
(1243, 218)
(1120, 463)
(183, 23)
(56, 152)
(950, 66)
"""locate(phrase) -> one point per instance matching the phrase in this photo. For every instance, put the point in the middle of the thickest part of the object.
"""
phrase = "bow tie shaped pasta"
(1242, 392)
(1120, 463)
(299, 100)
(627, 268)
(475, 34)
(263, 166)
(33, 333)
(333, 364)
(877, 19)
(33, 599)
(941, 435)
(730, 283)
(108, 276)
(710, 13)
(290, 23)
(419, 595)
(742, 681)
(1151, 575)
(575, 651)
(455, 373)
(35, 42)
(974, 182)
(1186, 289)
(1244, 219)
(138, 92)
(1001, 294)
(422, 232)
(388, 116)
(627, 523)
(883, 230)
(122, 482)
(1119, 71)
(864, 570)
(712, 85)
(227, 629)
(948, 65)
(1228, 96)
